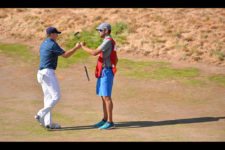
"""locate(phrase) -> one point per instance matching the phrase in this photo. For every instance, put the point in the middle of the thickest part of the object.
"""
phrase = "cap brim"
(99, 28)
(57, 32)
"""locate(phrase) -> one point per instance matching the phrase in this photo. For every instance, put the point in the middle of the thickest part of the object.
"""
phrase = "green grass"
(218, 79)
(19, 51)
(89, 37)
(92, 39)
(157, 70)
(173, 73)
(131, 64)
(154, 70)
(119, 32)
(195, 82)
(79, 56)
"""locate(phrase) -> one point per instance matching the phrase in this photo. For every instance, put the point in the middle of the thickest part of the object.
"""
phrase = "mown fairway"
(153, 101)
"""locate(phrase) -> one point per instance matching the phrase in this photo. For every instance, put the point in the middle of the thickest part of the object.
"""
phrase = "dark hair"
(109, 31)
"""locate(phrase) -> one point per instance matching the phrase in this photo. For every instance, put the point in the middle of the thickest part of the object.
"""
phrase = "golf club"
(77, 35)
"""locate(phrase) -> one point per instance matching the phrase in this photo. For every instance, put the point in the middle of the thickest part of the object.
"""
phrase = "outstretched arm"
(71, 51)
(89, 50)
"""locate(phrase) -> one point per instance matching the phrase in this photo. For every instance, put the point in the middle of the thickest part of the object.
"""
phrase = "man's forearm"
(69, 52)
(91, 51)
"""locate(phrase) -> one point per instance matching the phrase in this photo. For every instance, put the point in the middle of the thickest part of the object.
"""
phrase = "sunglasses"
(100, 30)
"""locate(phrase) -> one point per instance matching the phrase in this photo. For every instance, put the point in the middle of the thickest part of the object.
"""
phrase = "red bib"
(113, 60)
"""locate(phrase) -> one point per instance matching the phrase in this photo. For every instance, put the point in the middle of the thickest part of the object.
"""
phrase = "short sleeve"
(105, 45)
(56, 49)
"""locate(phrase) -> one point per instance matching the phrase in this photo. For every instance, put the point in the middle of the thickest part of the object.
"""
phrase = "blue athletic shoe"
(99, 124)
(107, 126)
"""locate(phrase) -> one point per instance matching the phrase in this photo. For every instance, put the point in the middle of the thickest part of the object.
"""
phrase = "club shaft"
(86, 73)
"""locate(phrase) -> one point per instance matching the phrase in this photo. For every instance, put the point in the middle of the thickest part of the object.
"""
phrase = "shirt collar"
(108, 36)
(49, 39)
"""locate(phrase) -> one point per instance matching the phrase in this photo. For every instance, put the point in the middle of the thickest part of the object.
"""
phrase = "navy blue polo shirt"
(49, 52)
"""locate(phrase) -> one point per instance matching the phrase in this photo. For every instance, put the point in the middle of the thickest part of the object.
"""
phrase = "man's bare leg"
(105, 116)
(109, 107)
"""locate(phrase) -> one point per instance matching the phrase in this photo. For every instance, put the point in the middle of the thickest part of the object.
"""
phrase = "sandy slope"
(173, 34)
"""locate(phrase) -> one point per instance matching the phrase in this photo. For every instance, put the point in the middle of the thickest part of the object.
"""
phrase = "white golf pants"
(51, 91)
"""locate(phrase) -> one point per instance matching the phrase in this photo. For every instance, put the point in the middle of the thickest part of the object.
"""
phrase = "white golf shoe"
(38, 118)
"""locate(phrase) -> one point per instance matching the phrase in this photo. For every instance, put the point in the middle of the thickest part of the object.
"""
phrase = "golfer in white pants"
(49, 52)
(50, 86)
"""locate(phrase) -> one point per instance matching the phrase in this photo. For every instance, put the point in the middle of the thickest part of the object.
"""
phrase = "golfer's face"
(54, 35)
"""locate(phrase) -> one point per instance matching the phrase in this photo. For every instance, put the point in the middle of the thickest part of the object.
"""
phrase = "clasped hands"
(80, 45)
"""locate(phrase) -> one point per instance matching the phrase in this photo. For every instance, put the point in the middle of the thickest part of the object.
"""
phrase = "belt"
(106, 67)
(47, 68)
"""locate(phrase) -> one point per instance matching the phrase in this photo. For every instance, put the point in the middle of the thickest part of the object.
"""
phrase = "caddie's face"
(102, 33)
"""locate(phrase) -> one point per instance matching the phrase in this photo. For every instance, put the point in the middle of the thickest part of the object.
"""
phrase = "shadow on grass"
(141, 124)
(75, 128)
